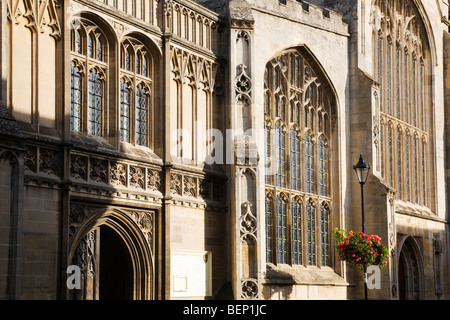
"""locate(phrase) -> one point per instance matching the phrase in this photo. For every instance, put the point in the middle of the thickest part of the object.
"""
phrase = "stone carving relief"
(80, 214)
(196, 187)
(190, 187)
(30, 159)
(243, 85)
(137, 177)
(39, 16)
(175, 184)
(249, 289)
(153, 180)
(48, 161)
(98, 170)
(248, 224)
(78, 166)
(113, 173)
(118, 174)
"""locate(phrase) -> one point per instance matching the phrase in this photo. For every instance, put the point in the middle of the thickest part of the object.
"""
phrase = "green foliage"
(359, 250)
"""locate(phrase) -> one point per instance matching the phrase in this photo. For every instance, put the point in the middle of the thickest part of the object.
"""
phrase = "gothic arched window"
(88, 74)
(125, 100)
(297, 109)
(400, 38)
(95, 103)
(136, 67)
(75, 97)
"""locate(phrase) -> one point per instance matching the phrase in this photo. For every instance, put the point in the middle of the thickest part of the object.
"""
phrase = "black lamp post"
(362, 172)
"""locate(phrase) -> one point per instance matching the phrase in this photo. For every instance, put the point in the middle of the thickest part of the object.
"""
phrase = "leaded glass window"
(75, 98)
(309, 165)
(296, 232)
(399, 163)
(99, 49)
(407, 186)
(389, 151)
(268, 205)
(78, 43)
(311, 234)
(91, 46)
(141, 115)
(323, 170)
(281, 231)
(127, 60)
(267, 151)
(324, 236)
(95, 103)
(297, 109)
(125, 97)
(87, 91)
(280, 148)
(144, 66)
(404, 101)
(135, 67)
(295, 161)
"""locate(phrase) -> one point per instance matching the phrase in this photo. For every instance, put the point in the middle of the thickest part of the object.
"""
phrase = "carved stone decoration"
(78, 214)
(190, 186)
(29, 164)
(48, 161)
(85, 257)
(153, 180)
(204, 188)
(248, 224)
(137, 177)
(145, 222)
(175, 184)
(40, 16)
(243, 85)
(118, 174)
(98, 170)
(249, 289)
(78, 167)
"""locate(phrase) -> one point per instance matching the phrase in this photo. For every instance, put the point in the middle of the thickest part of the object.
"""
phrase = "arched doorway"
(116, 272)
(410, 271)
(114, 258)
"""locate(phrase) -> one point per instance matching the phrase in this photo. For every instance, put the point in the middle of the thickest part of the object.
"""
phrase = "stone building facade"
(170, 149)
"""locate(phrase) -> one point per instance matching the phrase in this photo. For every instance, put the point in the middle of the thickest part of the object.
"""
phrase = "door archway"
(114, 257)
(410, 271)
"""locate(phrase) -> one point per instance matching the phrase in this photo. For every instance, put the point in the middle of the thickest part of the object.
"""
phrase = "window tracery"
(135, 70)
(297, 112)
(87, 89)
(400, 33)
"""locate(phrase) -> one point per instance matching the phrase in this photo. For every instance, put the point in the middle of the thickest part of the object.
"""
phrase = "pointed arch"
(301, 145)
(130, 230)
(410, 269)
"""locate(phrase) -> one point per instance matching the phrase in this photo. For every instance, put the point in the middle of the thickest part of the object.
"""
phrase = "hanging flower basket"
(360, 250)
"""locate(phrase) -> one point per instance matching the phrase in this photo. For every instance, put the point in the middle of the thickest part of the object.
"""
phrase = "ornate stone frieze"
(196, 188)
(175, 184)
(118, 174)
(30, 161)
(137, 177)
(153, 180)
(190, 186)
(98, 170)
(48, 161)
(111, 172)
(78, 167)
